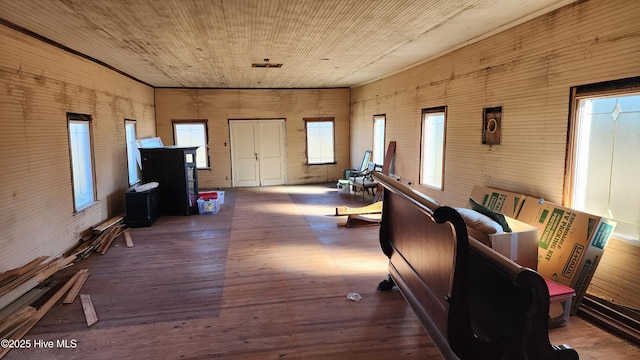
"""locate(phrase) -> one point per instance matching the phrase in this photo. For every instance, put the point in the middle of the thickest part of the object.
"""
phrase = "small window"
(81, 160)
(132, 151)
(320, 143)
(432, 154)
(604, 161)
(193, 133)
(378, 138)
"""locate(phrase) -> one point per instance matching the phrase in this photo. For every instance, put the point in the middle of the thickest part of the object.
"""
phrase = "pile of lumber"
(28, 292)
(17, 319)
(101, 238)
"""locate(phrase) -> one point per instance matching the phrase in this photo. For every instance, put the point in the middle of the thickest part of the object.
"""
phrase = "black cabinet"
(142, 208)
(174, 168)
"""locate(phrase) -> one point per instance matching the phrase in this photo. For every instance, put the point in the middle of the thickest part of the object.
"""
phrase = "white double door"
(258, 154)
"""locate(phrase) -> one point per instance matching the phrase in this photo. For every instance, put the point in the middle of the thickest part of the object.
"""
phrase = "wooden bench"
(472, 301)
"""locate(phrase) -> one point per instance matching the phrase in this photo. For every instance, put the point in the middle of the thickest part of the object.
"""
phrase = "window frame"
(203, 122)
(131, 149)
(90, 176)
(616, 88)
(441, 157)
(331, 120)
(378, 158)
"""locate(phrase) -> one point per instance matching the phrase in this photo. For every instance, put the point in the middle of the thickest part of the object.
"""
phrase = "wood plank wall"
(40, 84)
(529, 71)
(293, 105)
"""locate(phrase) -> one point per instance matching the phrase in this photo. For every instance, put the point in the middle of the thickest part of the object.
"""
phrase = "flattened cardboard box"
(500, 201)
(571, 243)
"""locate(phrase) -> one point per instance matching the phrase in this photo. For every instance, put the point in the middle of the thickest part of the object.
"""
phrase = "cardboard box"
(559, 303)
(500, 201)
(571, 243)
(520, 245)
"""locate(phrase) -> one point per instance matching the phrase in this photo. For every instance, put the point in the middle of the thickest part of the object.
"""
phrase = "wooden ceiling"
(213, 43)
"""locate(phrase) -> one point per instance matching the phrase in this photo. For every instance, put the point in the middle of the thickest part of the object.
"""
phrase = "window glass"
(193, 134)
(606, 165)
(132, 149)
(378, 139)
(320, 144)
(432, 164)
(81, 163)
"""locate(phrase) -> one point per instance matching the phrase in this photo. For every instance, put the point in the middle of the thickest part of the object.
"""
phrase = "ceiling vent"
(266, 65)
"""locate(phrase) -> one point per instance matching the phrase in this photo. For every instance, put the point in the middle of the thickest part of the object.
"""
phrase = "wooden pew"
(473, 302)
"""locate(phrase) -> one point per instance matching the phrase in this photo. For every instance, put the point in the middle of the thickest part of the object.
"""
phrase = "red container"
(208, 195)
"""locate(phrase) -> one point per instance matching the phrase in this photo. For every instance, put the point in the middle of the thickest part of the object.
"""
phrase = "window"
(193, 133)
(604, 164)
(132, 151)
(432, 154)
(378, 138)
(320, 140)
(81, 160)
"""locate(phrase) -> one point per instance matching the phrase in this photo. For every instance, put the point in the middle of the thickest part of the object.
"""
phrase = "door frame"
(257, 145)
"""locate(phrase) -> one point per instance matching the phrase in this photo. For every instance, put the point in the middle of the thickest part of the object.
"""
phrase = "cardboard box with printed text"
(570, 245)
(500, 201)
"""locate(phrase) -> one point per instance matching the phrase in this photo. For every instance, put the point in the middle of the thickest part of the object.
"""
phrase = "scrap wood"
(99, 239)
(23, 279)
(14, 321)
(391, 150)
(10, 275)
(89, 311)
(54, 266)
(87, 248)
(363, 220)
(127, 238)
(108, 223)
(375, 208)
(113, 233)
(79, 249)
(41, 311)
(22, 302)
(75, 290)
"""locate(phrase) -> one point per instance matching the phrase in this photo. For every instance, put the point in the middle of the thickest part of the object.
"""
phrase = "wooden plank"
(375, 208)
(89, 311)
(15, 320)
(41, 312)
(54, 266)
(22, 279)
(113, 233)
(127, 238)
(22, 302)
(391, 150)
(108, 223)
(75, 290)
(11, 275)
(357, 220)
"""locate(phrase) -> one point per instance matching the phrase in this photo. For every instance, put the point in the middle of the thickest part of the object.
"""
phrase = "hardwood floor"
(265, 278)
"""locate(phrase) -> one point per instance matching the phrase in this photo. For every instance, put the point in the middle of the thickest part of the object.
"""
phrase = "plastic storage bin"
(208, 204)
(220, 194)
(560, 297)
(343, 187)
